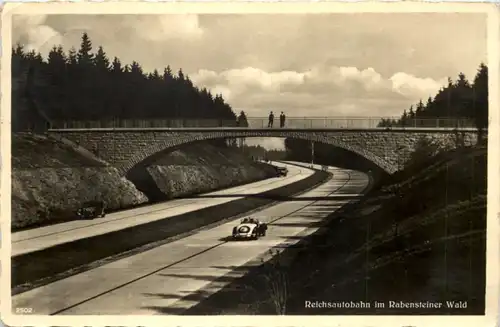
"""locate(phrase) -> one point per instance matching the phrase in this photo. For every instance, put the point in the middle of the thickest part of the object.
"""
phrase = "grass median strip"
(35, 269)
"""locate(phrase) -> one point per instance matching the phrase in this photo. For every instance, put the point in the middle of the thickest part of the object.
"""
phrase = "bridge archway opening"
(333, 155)
(360, 159)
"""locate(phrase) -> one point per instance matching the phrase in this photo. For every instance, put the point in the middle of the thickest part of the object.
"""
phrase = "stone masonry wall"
(387, 149)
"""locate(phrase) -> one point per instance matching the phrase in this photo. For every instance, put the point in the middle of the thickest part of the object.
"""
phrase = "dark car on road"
(92, 209)
(281, 171)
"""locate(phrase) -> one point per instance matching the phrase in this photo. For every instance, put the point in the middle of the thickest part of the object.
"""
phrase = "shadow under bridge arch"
(161, 144)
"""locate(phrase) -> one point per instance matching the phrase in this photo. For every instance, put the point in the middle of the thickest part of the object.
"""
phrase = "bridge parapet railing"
(263, 122)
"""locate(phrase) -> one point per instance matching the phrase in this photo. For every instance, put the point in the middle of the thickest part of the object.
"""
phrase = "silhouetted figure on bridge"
(282, 119)
(242, 121)
(271, 120)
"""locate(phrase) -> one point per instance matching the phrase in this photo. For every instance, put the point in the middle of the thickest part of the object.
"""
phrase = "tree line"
(83, 85)
(458, 99)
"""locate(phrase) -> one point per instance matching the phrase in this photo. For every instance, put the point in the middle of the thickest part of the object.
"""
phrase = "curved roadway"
(31, 240)
(171, 278)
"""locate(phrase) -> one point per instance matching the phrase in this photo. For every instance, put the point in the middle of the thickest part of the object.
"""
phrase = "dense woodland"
(86, 85)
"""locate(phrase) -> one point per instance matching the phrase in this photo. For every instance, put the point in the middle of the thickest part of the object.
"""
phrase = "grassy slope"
(416, 238)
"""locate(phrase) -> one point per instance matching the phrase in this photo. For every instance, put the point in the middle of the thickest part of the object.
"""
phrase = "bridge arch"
(389, 149)
(163, 145)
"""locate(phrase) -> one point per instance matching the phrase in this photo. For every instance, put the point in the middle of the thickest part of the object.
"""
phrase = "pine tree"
(180, 75)
(136, 69)
(85, 55)
(404, 118)
(420, 109)
(116, 66)
(101, 60)
(18, 51)
(480, 101)
(72, 58)
(155, 75)
(428, 104)
(411, 113)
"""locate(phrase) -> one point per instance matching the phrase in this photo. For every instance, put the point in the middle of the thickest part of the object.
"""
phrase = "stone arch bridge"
(125, 148)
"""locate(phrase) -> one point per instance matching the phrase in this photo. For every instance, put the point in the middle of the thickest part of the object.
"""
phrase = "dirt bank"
(51, 179)
(197, 168)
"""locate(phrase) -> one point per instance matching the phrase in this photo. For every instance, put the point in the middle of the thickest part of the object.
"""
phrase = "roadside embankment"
(418, 240)
(197, 168)
(51, 178)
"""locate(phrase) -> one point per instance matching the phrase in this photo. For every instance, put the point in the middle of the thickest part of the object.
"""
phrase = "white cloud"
(167, 27)
(251, 77)
(42, 38)
(38, 32)
(409, 84)
(321, 91)
(38, 36)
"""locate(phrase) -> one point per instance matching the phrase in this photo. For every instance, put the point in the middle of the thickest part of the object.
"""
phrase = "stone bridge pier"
(388, 149)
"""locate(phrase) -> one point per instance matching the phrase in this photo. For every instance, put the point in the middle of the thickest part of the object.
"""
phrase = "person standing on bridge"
(282, 120)
(271, 120)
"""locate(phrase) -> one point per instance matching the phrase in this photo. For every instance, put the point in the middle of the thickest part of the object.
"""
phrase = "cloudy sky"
(306, 65)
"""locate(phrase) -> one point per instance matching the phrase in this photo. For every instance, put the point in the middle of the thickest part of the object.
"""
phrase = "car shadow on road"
(231, 239)
(304, 224)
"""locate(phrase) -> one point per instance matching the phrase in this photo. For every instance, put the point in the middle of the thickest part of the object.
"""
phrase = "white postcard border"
(137, 7)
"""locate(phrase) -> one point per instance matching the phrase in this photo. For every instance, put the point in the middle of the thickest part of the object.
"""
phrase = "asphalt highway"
(173, 277)
(31, 240)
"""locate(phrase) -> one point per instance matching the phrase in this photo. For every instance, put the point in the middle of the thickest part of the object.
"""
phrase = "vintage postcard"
(236, 164)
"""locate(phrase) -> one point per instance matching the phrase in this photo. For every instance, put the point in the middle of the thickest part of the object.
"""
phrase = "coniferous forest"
(85, 84)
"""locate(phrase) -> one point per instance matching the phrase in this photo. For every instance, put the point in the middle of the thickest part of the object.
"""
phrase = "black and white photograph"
(171, 160)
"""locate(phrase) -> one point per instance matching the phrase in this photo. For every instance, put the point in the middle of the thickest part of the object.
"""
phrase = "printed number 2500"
(24, 310)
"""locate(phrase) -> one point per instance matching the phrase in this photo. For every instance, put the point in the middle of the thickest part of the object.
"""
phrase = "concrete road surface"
(44, 237)
(171, 278)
